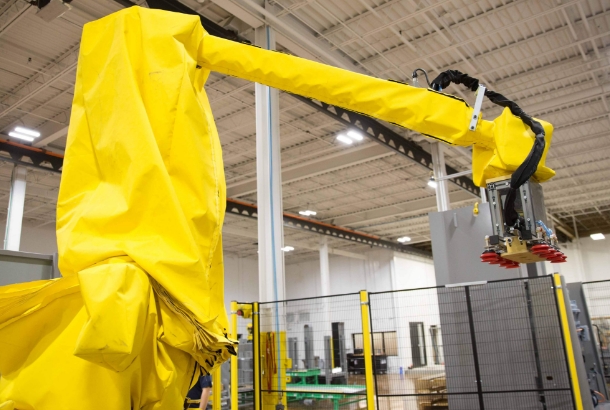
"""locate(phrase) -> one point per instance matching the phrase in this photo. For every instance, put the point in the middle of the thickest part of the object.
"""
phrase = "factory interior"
(334, 204)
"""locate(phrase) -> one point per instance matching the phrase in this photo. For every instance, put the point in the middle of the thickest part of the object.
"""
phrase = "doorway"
(418, 344)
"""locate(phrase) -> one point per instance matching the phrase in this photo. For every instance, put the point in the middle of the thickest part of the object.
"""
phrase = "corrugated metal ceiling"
(552, 57)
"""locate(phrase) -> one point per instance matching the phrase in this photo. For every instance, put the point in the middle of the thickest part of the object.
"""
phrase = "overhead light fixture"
(597, 236)
(27, 131)
(404, 239)
(432, 182)
(23, 133)
(345, 139)
(308, 213)
(287, 248)
(20, 136)
(350, 136)
(355, 135)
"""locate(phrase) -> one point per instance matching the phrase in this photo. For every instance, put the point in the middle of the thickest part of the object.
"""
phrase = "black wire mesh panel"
(597, 295)
(325, 369)
(492, 346)
(245, 358)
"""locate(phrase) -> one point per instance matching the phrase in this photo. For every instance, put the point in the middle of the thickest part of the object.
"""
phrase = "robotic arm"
(507, 152)
(500, 146)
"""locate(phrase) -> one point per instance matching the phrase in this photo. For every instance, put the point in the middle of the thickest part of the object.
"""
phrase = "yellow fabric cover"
(513, 141)
(40, 371)
(139, 218)
(500, 145)
(141, 206)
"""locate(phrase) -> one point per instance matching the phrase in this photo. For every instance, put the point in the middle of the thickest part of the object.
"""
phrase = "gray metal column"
(438, 165)
(14, 218)
(269, 184)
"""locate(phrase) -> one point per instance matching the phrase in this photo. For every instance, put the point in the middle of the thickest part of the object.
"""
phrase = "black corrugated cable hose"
(528, 167)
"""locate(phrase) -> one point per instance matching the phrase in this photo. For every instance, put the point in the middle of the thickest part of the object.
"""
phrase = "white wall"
(36, 240)
(382, 271)
(419, 305)
(347, 275)
(588, 260)
(241, 284)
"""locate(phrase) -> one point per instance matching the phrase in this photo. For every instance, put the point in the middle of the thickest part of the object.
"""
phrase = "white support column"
(483, 195)
(271, 273)
(324, 267)
(325, 302)
(269, 184)
(14, 218)
(438, 166)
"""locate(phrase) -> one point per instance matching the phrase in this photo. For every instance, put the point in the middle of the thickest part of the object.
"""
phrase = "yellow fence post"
(234, 360)
(216, 389)
(255, 352)
(567, 336)
(368, 351)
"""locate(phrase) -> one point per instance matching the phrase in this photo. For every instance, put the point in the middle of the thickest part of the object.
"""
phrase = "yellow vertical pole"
(368, 351)
(216, 388)
(234, 360)
(567, 337)
(255, 352)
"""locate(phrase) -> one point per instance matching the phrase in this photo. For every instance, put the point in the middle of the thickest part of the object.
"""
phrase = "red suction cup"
(540, 249)
(490, 257)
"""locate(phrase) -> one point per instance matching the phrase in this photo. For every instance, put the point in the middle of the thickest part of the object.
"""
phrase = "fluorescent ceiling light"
(307, 213)
(287, 248)
(20, 136)
(404, 239)
(344, 139)
(432, 183)
(28, 132)
(597, 236)
(355, 135)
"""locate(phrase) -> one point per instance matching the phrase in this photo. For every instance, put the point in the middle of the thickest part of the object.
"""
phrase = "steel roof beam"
(297, 222)
(245, 233)
(55, 136)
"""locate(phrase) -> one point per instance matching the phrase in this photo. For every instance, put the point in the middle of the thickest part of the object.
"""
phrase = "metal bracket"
(476, 113)
(364, 303)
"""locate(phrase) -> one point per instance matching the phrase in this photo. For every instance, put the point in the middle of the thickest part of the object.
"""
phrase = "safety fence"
(489, 345)
(496, 345)
(313, 353)
(597, 296)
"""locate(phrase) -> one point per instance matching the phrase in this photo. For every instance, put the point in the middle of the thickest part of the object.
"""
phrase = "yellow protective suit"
(141, 206)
